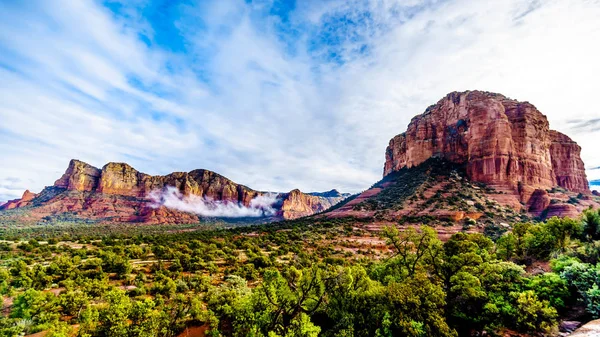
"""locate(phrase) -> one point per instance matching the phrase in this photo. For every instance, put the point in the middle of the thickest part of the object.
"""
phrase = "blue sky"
(273, 94)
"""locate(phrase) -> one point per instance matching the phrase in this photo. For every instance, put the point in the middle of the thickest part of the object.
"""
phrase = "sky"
(273, 94)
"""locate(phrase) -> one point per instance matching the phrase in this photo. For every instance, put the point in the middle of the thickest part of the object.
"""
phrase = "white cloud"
(171, 197)
(78, 82)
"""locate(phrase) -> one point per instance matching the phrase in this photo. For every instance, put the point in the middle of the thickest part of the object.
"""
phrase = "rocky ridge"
(16, 203)
(120, 193)
(484, 154)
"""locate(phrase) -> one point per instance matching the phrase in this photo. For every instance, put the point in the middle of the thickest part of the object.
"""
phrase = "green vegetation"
(434, 185)
(300, 278)
(405, 183)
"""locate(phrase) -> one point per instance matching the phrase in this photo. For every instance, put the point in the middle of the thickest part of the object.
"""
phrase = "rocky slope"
(119, 193)
(501, 149)
(16, 203)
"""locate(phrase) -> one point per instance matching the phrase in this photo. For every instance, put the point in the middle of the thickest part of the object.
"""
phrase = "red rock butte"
(119, 193)
(504, 143)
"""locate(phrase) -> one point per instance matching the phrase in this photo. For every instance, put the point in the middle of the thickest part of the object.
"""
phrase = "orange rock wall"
(501, 141)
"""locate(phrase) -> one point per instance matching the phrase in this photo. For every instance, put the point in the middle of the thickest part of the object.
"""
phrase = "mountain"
(16, 203)
(477, 155)
(119, 193)
(330, 194)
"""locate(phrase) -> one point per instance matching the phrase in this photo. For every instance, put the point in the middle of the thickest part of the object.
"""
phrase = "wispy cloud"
(589, 125)
(272, 95)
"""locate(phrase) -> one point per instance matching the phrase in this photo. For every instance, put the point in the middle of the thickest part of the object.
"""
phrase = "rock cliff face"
(297, 204)
(122, 179)
(79, 176)
(119, 193)
(567, 164)
(502, 142)
(478, 156)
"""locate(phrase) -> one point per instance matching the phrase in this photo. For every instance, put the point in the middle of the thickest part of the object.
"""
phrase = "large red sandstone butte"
(504, 143)
(122, 179)
(119, 193)
(516, 168)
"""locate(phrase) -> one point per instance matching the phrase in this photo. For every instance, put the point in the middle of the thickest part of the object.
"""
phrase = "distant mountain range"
(119, 193)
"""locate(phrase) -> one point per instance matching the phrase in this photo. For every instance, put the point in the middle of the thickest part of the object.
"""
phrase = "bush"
(532, 314)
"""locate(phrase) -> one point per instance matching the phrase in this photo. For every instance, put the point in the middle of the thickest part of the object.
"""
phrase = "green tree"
(550, 287)
(89, 320)
(291, 295)
(591, 224)
(147, 320)
(72, 302)
(118, 264)
(417, 308)
(506, 246)
(520, 230)
(413, 251)
(37, 306)
(562, 229)
(592, 301)
(114, 317)
(533, 314)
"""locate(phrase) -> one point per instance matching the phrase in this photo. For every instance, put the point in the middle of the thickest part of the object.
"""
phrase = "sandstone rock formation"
(567, 164)
(16, 203)
(502, 142)
(119, 193)
(539, 201)
(476, 156)
(79, 176)
(122, 179)
(297, 204)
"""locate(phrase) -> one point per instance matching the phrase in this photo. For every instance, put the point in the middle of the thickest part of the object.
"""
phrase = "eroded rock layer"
(503, 143)
(297, 204)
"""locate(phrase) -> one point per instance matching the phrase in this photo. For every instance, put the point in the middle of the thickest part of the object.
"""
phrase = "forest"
(294, 279)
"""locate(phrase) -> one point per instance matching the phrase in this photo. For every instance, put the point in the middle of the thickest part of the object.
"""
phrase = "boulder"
(590, 329)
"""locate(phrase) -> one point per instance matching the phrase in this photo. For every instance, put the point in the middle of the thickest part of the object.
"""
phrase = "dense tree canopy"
(293, 283)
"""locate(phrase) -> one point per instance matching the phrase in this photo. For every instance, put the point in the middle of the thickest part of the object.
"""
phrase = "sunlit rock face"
(502, 142)
(296, 204)
(79, 176)
(122, 179)
(120, 193)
